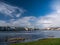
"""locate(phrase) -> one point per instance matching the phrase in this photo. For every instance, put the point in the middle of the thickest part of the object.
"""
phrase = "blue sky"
(33, 7)
(38, 13)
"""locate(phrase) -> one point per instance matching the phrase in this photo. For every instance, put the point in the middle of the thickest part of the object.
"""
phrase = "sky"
(30, 13)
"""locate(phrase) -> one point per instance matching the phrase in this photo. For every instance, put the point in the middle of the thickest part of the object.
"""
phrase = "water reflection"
(28, 35)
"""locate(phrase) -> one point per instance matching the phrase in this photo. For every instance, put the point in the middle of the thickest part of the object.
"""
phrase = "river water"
(29, 35)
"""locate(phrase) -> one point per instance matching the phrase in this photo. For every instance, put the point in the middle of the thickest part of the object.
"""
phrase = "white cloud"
(49, 20)
(56, 6)
(25, 21)
(10, 10)
(3, 23)
(52, 19)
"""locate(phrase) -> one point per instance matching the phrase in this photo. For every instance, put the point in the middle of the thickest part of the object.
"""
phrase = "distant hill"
(11, 28)
(16, 28)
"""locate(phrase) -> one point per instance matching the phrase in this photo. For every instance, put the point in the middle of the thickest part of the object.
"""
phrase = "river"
(29, 35)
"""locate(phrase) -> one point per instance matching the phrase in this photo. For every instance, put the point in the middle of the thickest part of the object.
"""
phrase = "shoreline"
(46, 41)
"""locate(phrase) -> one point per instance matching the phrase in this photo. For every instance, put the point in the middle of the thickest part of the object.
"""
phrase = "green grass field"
(48, 41)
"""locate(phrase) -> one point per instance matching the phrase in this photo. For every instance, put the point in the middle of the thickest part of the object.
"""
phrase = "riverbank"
(48, 41)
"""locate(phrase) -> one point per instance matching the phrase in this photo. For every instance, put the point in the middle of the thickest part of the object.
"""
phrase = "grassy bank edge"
(47, 41)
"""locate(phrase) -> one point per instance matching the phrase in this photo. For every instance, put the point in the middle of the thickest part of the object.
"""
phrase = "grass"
(48, 41)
